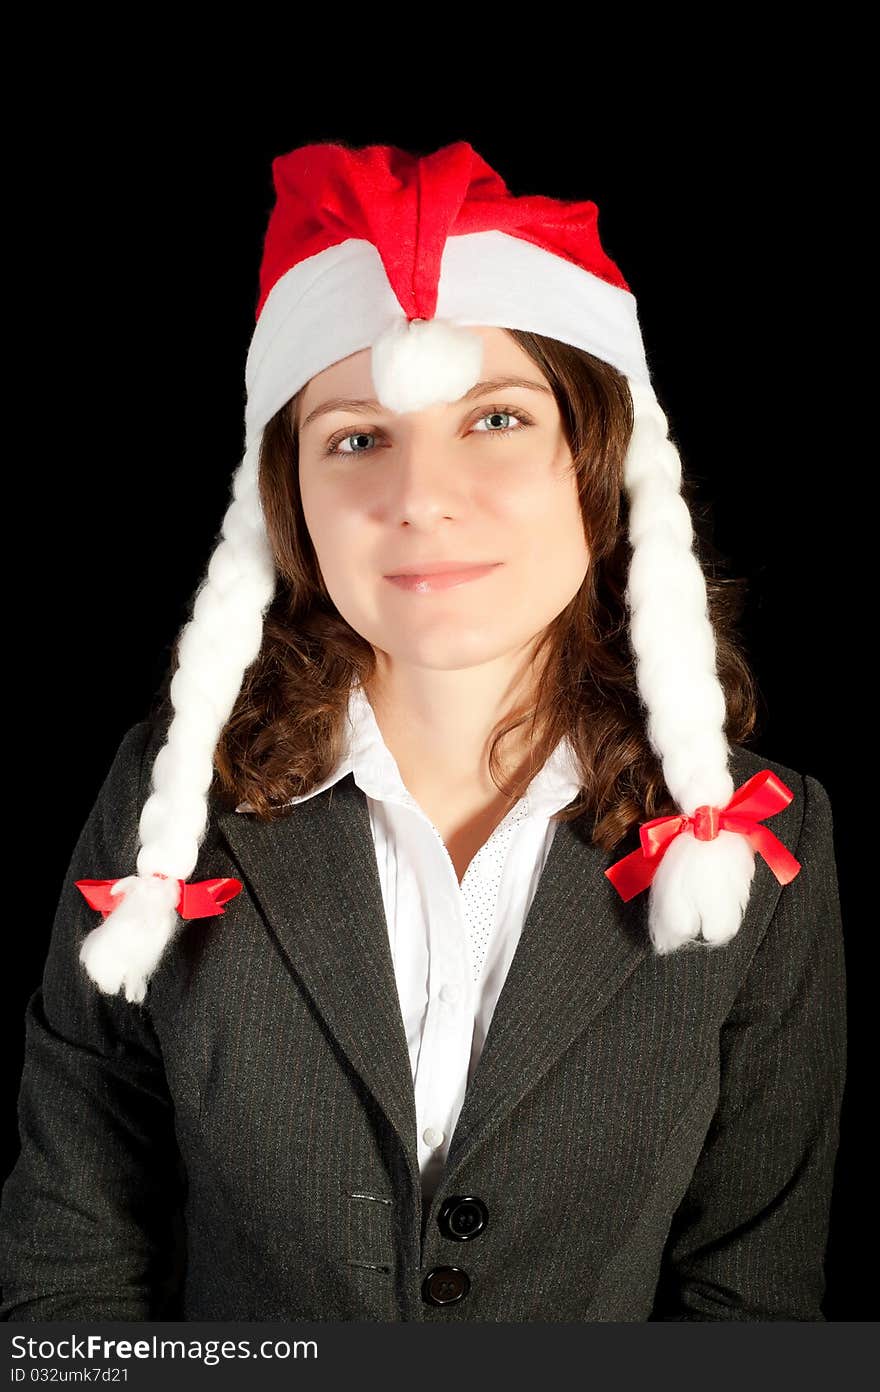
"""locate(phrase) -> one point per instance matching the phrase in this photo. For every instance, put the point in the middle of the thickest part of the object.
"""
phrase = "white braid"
(698, 884)
(217, 646)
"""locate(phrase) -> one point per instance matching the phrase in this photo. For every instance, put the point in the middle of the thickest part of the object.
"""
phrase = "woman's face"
(453, 483)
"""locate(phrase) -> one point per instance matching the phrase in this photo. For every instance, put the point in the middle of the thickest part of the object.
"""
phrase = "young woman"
(473, 966)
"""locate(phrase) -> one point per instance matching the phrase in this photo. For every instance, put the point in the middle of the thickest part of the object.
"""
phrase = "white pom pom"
(415, 365)
(700, 885)
(126, 947)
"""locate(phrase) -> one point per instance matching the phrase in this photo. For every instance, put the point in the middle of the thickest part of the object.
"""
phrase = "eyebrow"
(340, 403)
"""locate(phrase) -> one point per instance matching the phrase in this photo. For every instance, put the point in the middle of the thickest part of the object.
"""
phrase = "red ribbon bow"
(761, 796)
(203, 899)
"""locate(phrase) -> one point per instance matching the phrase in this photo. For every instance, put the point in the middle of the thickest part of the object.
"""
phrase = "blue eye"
(336, 440)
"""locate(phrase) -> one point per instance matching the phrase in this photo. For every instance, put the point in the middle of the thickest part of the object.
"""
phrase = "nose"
(421, 484)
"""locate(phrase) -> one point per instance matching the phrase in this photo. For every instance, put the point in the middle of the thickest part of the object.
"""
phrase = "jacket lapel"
(313, 875)
(578, 945)
(315, 879)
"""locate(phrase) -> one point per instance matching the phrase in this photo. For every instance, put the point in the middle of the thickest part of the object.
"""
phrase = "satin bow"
(203, 899)
(761, 796)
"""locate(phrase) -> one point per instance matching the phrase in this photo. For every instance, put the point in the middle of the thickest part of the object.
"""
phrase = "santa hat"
(381, 249)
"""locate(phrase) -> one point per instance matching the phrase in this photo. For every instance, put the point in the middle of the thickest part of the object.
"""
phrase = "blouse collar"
(376, 773)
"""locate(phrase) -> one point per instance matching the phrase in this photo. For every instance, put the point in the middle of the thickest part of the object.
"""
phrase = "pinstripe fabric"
(653, 1138)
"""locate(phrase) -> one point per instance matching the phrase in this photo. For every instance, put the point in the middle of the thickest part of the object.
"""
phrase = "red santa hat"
(381, 249)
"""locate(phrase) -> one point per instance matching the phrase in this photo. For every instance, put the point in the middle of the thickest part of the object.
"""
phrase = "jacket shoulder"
(806, 826)
(810, 803)
(137, 749)
(126, 783)
(745, 763)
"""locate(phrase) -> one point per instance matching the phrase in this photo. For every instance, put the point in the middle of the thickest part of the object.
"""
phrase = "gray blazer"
(644, 1138)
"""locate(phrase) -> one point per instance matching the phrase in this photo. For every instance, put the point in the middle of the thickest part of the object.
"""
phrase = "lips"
(429, 582)
(437, 568)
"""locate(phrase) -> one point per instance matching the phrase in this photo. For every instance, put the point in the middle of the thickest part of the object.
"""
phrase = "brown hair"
(286, 730)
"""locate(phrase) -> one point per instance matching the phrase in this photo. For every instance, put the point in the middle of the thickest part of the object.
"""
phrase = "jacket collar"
(368, 759)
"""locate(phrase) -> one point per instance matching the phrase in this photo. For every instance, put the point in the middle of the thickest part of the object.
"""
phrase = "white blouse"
(451, 944)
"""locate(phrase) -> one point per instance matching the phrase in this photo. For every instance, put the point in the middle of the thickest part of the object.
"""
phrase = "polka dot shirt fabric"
(451, 944)
(482, 882)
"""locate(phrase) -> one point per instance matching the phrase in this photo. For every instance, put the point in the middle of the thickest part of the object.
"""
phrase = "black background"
(732, 203)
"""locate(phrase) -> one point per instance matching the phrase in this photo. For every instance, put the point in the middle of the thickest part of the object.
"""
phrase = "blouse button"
(449, 992)
(432, 1136)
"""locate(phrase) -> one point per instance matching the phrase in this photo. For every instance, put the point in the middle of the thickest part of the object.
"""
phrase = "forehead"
(351, 376)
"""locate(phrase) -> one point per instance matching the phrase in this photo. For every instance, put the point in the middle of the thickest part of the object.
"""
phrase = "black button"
(445, 1285)
(462, 1216)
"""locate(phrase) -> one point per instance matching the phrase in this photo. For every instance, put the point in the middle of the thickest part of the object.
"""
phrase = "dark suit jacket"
(653, 1137)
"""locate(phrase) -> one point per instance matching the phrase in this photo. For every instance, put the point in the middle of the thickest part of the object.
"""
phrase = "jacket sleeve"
(90, 1220)
(748, 1240)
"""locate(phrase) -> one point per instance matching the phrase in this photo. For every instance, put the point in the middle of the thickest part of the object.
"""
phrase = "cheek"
(327, 516)
(323, 522)
(543, 518)
(339, 537)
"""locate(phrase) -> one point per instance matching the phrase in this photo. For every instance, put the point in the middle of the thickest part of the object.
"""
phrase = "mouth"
(442, 580)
